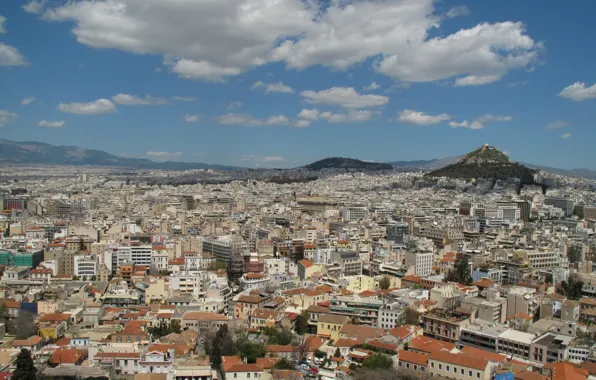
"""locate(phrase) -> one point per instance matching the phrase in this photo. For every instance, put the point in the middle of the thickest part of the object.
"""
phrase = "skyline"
(442, 80)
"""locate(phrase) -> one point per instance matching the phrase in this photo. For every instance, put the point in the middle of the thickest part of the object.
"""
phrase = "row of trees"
(165, 329)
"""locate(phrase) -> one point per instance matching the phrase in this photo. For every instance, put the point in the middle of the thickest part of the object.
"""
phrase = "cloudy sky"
(285, 82)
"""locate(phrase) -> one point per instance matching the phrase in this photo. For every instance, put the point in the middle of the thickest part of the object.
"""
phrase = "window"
(470, 373)
(478, 375)
(462, 371)
(235, 376)
(408, 365)
(448, 369)
(432, 365)
(441, 366)
(248, 375)
(454, 369)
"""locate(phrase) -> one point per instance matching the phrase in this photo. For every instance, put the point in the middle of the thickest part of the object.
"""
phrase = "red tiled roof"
(459, 360)
(267, 363)
(306, 263)
(412, 357)
(54, 317)
(203, 316)
(65, 355)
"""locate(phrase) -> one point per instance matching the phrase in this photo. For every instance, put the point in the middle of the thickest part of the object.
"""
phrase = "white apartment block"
(422, 262)
(354, 213)
(85, 266)
(137, 254)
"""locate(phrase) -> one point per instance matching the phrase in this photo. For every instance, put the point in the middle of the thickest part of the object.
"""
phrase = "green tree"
(385, 283)
(25, 369)
(174, 326)
(23, 326)
(302, 323)
(461, 272)
(222, 344)
(337, 353)
(378, 361)
(249, 350)
(278, 336)
(284, 363)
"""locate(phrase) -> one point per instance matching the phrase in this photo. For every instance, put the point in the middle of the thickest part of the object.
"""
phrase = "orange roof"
(179, 349)
(10, 304)
(411, 278)
(254, 275)
(280, 348)
(345, 342)
(566, 371)
(65, 355)
(367, 293)
(380, 344)
(412, 357)
(31, 341)
(459, 360)
(429, 345)
(64, 341)
(286, 374)
(267, 363)
(245, 368)
(54, 317)
(530, 375)
(400, 332)
(264, 314)
(229, 361)
(306, 263)
(483, 354)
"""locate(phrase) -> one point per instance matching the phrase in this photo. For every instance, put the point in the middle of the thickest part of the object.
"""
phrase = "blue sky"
(258, 83)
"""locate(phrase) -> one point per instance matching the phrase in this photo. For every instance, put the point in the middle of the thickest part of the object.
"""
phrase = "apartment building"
(86, 266)
(444, 326)
(421, 261)
(521, 299)
(349, 262)
(354, 213)
(365, 311)
(137, 254)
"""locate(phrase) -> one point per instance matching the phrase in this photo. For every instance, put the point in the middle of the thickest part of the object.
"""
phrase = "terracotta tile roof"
(254, 275)
(64, 341)
(324, 288)
(461, 360)
(383, 345)
(412, 357)
(484, 354)
(400, 332)
(334, 319)
(10, 304)
(286, 374)
(54, 317)
(345, 342)
(251, 299)
(427, 344)
(529, 375)
(31, 341)
(267, 363)
(360, 332)
(306, 263)
(264, 314)
(566, 371)
(203, 316)
(110, 355)
(587, 301)
(300, 291)
(411, 278)
(65, 355)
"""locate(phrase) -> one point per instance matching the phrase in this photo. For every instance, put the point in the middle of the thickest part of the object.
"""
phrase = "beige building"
(459, 366)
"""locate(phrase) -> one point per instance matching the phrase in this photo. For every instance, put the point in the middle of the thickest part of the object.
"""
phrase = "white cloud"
(187, 99)
(277, 120)
(26, 101)
(480, 121)
(132, 100)
(473, 80)
(96, 107)
(6, 117)
(345, 97)
(490, 117)
(34, 6)
(248, 120)
(350, 117)
(273, 87)
(557, 124)
(51, 124)
(515, 84)
(302, 123)
(2, 21)
(312, 114)
(578, 92)
(372, 86)
(566, 135)
(163, 154)
(273, 159)
(420, 118)
(191, 118)
(461, 10)
(10, 56)
(258, 159)
(217, 39)
(465, 124)
(234, 105)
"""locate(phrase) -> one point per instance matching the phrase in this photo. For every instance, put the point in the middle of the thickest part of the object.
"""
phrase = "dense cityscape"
(354, 274)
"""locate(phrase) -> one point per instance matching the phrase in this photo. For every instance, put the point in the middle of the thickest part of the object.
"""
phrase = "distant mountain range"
(30, 152)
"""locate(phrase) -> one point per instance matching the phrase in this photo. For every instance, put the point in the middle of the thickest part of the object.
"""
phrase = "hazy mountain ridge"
(31, 152)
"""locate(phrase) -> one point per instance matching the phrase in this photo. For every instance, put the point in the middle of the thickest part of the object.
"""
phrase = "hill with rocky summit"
(347, 163)
(486, 162)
